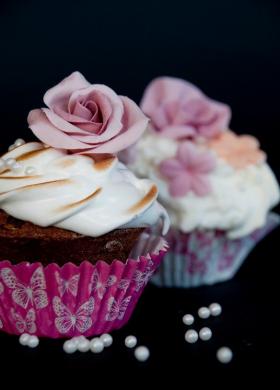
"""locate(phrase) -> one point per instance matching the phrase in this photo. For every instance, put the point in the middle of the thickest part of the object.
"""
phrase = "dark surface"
(231, 50)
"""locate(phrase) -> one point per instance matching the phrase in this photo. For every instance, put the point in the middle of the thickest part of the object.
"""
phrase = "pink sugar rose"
(189, 170)
(87, 118)
(179, 110)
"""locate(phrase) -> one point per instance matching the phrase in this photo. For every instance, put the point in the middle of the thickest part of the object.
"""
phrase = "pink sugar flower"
(188, 171)
(179, 110)
(87, 118)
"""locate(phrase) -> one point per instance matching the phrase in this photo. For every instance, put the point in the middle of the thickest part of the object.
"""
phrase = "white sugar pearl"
(75, 340)
(205, 334)
(83, 345)
(224, 355)
(188, 319)
(33, 342)
(69, 346)
(10, 162)
(142, 353)
(19, 142)
(11, 147)
(191, 336)
(215, 309)
(2, 163)
(203, 312)
(107, 339)
(96, 345)
(30, 171)
(16, 167)
(130, 341)
(23, 339)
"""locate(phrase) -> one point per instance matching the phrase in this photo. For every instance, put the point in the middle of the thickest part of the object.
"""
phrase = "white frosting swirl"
(239, 201)
(76, 193)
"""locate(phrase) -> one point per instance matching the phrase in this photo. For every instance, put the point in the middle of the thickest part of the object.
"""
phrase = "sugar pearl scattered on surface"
(69, 346)
(191, 336)
(107, 339)
(83, 345)
(205, 334)
(75, 340)
(215, 309)
(11, 147)
(10, 162)
(130, 341)
(224, 355)
(30, 170)
(142, 353)
(96, 345)
(203, 312)
(33, 342)
(188, 319)
(19, 142)
(23, 339)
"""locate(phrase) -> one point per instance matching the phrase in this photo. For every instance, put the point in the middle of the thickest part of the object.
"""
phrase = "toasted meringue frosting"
(77, 193)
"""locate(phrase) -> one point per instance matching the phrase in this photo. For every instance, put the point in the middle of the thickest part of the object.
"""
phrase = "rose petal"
(180, 103)
(69, 117)
(164, 89)
(135, 123)
(82, 111)
(61, 92)
(110, 106)
(49, 134)
(178, 132)
(220, 120)
(61, 124)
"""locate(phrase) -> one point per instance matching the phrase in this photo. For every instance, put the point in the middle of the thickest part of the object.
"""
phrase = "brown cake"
(24, 241)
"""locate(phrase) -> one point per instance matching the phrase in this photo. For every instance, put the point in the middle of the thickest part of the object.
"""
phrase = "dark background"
(231, 50)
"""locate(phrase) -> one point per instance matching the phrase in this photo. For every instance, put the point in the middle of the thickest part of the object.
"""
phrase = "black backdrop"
(231, 50)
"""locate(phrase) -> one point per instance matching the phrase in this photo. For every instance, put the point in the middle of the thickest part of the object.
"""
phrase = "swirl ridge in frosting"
(75, 192)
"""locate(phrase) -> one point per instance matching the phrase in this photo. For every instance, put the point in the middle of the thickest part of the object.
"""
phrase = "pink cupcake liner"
(86, 299)
(206, 257)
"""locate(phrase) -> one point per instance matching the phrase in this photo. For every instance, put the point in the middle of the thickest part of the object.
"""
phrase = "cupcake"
(80, 235)
(215, 184)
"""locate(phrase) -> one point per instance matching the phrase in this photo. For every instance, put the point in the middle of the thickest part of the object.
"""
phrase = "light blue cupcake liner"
(206, 257)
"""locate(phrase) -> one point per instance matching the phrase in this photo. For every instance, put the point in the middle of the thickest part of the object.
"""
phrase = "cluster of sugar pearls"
(224, 354)
(11, 163)
(28, 340)
(82, 344)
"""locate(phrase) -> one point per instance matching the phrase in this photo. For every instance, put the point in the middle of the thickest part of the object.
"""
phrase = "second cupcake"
(216, 185)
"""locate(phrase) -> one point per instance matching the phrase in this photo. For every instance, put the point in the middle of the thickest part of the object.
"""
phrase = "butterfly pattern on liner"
(26, 324)
(34, 293)
(123, 284)
(97, 285)
(142, 278)
(66, 320)
(68, 286)
(116, 310)
(1, 288)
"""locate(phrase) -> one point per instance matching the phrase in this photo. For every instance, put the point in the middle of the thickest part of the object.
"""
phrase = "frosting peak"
(76, 192)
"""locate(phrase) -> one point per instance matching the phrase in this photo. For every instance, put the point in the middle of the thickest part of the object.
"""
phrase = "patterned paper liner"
(206, 257)
(73, 300)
